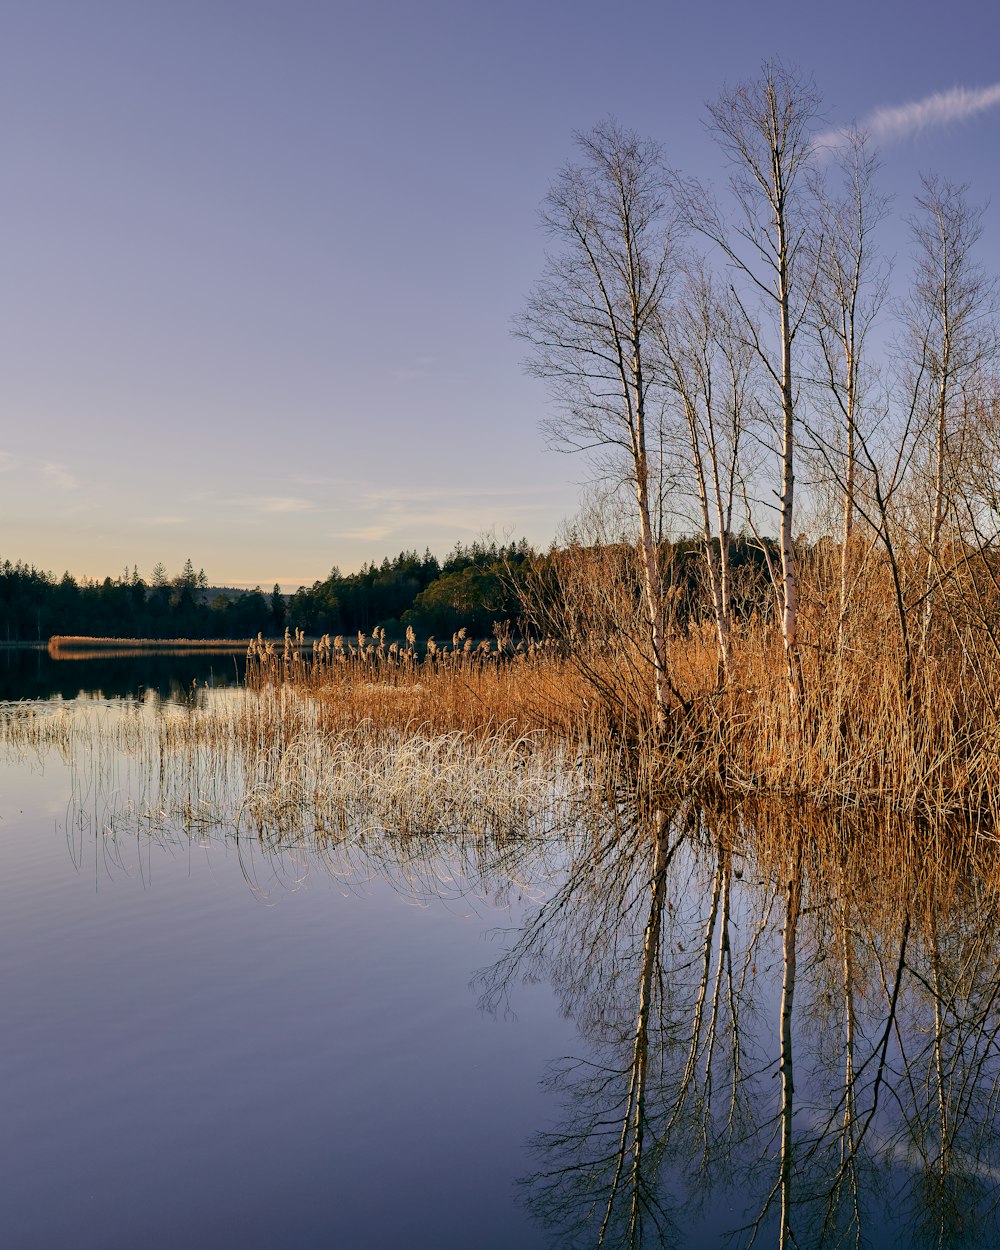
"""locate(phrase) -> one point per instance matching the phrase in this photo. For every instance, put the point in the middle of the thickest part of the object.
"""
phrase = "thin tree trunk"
(850, 478)
(938, 504)
(793, 906)
(789, 580)
(652, 579)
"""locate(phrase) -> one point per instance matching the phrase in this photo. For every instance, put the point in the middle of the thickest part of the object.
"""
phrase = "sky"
(259, 259)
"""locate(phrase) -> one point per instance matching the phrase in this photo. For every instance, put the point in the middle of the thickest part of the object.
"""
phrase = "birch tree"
(592, 324)
(952, 335)
(710, 371)
(764, 129)
(850, 292)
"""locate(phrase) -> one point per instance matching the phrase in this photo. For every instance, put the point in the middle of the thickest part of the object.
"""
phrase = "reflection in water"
(792, 1036)
(32, 673)
(788, 1025)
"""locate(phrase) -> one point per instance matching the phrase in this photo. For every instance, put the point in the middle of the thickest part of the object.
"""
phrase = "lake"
(300, 1022)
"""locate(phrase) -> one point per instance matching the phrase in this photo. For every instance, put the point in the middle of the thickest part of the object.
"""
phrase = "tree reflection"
(647, 971)
(790, 1034)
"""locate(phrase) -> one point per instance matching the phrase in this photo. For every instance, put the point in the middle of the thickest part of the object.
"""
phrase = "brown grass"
(274, 764)
(510, 689)
(867, 732)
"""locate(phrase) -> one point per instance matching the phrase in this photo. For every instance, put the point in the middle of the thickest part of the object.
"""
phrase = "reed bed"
(272, 765)
(863, 733)
(499, 689)
(856, 739)
(858, 744)
(494, 736)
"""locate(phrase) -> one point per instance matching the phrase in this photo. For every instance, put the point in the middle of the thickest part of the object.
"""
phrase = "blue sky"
(259, 260)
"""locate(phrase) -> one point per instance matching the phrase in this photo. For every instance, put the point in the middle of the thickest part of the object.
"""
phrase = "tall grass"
(274, 764)
(892, 716)
(882, 720)
(501, 689)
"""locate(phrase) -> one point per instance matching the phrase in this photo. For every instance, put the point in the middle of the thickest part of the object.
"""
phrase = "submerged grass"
(277, 773)
(273, 764)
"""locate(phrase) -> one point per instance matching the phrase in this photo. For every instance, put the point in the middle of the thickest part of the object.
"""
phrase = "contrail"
(888, 125)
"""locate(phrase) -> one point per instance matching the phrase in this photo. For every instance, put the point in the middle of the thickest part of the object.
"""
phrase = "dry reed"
(272, 763)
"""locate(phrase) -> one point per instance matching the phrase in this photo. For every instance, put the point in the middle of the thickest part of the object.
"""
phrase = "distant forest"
(472, 587)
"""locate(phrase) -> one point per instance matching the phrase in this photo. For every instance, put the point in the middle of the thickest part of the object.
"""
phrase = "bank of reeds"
(497, 688)
(855, 738)
(882, 718)
(897, 708)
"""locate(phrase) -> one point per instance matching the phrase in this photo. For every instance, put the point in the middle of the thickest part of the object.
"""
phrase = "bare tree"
(592, 323)
(850, 291)
(711, 368)
(951, 328)
(764, 128)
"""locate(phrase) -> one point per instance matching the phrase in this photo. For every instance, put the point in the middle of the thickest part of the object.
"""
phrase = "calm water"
(31, 673)
(211, 1040)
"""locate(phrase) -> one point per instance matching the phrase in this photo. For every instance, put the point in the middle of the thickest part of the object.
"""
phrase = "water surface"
(259, 1034)
(209, 1045)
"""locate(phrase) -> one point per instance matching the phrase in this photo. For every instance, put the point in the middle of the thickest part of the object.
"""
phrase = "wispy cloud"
(943, 108)
(289, 582)
(325, 480)
(457, 511)
(391, 495)
(271, 503)
(59, 475)
(284, 503)
(367, 533)
(414, 369)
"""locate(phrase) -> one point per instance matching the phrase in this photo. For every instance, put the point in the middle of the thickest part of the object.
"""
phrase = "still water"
(216, 1038)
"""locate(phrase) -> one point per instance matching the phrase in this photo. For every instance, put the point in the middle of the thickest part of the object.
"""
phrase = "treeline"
(473, 588)
(34, 605)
